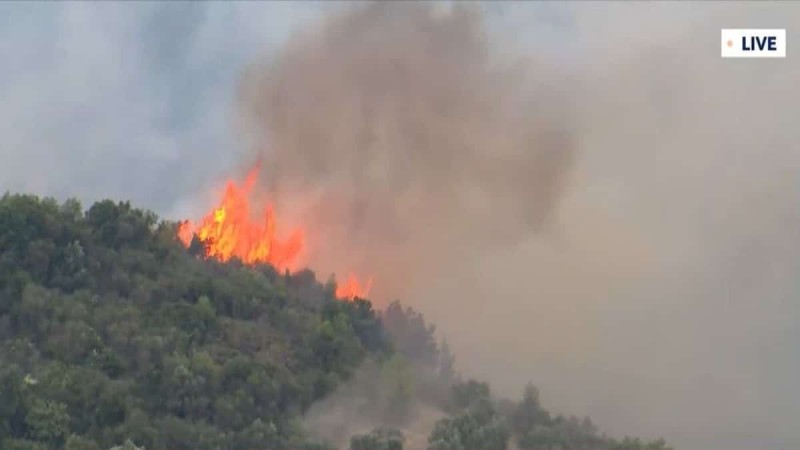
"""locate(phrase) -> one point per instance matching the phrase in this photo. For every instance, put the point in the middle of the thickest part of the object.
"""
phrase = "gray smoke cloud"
(620, 228)
(397, 134)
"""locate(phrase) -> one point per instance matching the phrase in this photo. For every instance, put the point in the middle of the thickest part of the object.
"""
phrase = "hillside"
(112, 332)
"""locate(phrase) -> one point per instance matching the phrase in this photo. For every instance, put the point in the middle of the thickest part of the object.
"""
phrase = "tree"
(378, 439)
(399, 389)
(258, 435)
(630, 443)
(469, 431)
(128, 445)
(111, 332)
(48, 422)
(470, 394)
(539, 437)
(75, 442)
(529, 412)
(475, 425)
(447, 369)
(13, 404)
(411, 335)
(23, 444)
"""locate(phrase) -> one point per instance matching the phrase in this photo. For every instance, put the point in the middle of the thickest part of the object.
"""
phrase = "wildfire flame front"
(229, 231)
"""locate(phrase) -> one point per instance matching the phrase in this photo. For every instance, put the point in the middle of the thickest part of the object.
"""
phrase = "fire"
(352, 288)
(229, 231)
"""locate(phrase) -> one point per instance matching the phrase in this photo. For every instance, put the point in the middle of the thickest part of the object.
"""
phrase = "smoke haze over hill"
(584, 195)
(621, 221)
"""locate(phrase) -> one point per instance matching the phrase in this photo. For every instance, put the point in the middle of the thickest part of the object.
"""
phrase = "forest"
(113, 335)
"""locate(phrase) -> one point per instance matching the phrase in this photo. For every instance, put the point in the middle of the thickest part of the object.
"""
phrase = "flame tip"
(229, 231)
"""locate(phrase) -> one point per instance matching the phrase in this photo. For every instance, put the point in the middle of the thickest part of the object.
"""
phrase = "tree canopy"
(113, 335)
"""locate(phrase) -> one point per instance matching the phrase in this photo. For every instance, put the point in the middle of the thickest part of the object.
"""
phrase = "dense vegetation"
(113, 335)
(378, 439)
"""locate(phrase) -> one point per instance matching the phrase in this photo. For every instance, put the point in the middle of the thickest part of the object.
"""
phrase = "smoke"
(369, 400)
(406, 139)
(621, 228)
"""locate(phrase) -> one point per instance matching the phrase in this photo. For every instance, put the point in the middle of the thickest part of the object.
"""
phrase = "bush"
(378, 439)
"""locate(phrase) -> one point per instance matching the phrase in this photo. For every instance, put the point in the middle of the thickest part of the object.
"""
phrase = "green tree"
(399, 388)
(468, 431)
(529, 412)
(470, 394)
(128, 445)
(446, 368)
(48, 422)
(475, 424)
(111, 330)
(378, 439)
(13, 402)
(23, 444)
(75, 442)
(411, 335)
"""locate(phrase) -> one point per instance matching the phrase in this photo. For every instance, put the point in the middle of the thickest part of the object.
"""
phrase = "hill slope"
(112, 332)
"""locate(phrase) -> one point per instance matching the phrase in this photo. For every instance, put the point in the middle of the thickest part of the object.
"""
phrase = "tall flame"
(352, 288)
(229, 231)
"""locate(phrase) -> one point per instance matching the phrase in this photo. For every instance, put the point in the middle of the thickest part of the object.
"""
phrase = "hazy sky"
(134, 99)
(126, 100)
(663, 302)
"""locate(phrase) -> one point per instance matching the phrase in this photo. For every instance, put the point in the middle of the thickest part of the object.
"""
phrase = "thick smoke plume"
(620, 227)
(403, 140)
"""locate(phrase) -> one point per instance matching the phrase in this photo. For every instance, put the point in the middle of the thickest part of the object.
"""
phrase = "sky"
(664, 300)
(127, 100)
(132, 99)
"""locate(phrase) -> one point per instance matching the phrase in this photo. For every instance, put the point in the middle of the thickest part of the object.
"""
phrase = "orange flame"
(229, 231)
(352, 288)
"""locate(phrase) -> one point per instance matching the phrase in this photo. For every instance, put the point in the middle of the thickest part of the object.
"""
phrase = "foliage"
(378, 439)
(478, 421)
(468, 431)
(536, 430)
(475, 423)
(112, 332)
(413, 338)
(529, 413)
(113, 335)
(128, 445)
(629, 443)
(399, 388)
